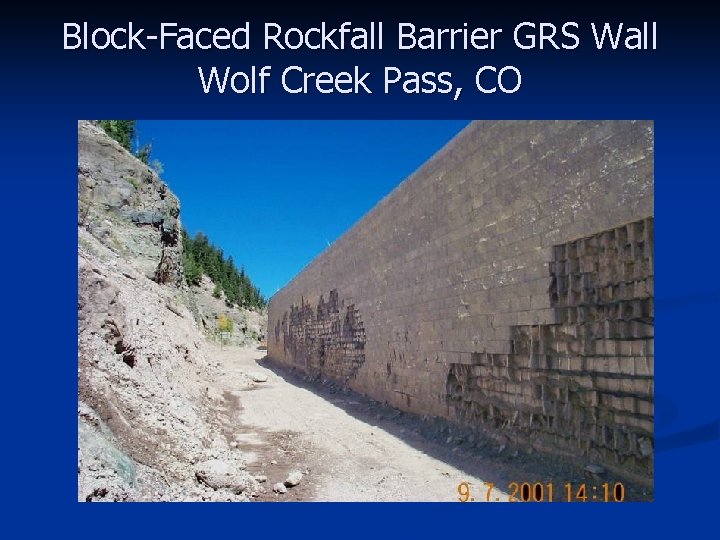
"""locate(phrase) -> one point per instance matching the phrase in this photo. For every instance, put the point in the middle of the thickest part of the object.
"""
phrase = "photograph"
(365, 310)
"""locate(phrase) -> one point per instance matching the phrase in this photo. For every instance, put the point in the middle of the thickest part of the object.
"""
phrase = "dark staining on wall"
(328, 340)
(586, 383)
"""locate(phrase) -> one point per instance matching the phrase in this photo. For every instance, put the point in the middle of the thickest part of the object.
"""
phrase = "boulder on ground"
(258, 377)
(279, 488)
(220, 474)
(293, 479)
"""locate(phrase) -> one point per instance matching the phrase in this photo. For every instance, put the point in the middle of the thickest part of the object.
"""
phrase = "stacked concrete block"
(516, 237)
(327, 341)
(586, 382)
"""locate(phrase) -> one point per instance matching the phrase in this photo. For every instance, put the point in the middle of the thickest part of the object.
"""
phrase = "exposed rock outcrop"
(125, 205)
(147, 415)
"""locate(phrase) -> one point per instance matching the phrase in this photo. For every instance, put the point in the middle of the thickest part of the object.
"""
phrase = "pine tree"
(202, 257)
(122, 131)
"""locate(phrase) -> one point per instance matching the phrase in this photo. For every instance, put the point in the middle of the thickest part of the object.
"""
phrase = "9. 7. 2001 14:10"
(545, 492)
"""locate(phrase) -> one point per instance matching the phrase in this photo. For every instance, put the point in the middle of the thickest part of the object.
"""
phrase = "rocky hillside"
(148, 421)
(249, 325)
(124, 205)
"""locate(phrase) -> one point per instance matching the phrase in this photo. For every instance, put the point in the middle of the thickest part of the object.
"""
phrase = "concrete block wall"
(506, 285)
(583, 385)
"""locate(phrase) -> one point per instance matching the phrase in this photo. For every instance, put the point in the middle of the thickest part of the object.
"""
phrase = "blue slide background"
(45, 90)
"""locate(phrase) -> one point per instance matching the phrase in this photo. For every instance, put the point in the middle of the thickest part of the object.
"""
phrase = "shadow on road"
(463, 449)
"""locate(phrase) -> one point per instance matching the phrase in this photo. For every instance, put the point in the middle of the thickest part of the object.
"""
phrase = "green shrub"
(122, 131)
(224, 324)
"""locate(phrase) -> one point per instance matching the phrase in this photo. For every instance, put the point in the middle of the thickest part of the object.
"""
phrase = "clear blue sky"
(275, 194)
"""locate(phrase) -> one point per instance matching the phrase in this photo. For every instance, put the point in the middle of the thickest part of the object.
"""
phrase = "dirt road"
(350, 448)
(346, 450)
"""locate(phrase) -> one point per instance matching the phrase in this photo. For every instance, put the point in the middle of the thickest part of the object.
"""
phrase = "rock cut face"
(127, 207)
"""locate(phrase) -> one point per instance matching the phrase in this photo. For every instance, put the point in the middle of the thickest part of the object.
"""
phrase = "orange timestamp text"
(542, 492)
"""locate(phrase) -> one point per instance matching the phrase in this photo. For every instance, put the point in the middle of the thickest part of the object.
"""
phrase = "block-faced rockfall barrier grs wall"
(507, 285)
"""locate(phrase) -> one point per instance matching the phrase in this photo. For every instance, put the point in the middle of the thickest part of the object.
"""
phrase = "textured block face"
(507, 285)
(586, 381)
(328, 340)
